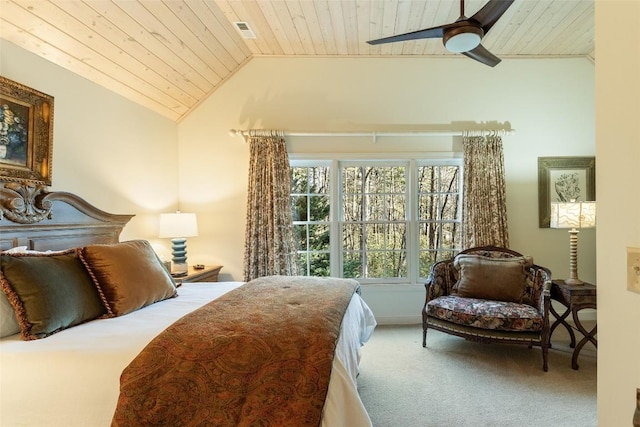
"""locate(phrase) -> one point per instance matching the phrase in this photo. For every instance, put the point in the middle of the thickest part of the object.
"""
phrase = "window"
(439, 222)
(376, 221)
(310, 201)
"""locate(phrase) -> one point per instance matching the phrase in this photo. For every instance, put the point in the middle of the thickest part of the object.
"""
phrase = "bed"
(72, 377)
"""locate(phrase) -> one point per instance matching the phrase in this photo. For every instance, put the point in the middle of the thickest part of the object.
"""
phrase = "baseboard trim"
(399, 320)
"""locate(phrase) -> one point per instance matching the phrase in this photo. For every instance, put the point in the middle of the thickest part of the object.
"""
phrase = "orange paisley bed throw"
(260, 355)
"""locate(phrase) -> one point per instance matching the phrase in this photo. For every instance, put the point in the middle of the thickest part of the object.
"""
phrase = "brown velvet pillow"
(498, 279)
(128, 275)
(48, 292)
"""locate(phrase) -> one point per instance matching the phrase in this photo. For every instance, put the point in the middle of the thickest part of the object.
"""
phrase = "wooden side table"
(206, 274)
(575, 298)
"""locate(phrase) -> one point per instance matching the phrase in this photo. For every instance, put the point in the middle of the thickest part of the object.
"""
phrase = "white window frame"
(376, 163)
(329, 164)
(412, 161)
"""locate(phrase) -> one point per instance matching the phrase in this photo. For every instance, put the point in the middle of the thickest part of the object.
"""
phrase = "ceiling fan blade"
(429, 33)
(460, 34)
(490, 13)
(481, 54)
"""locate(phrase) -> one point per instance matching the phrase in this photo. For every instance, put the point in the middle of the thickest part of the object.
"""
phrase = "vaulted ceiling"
(168, 55)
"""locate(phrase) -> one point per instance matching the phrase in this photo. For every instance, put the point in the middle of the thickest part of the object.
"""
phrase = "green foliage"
(374, 218)
(311, 205)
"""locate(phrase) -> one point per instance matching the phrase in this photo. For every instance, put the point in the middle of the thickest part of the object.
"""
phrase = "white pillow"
(25, 250)
(16, 250)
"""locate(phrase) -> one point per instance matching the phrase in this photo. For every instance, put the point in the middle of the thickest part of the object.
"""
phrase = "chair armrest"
(433, 290)
(542, 276)
(439, 282)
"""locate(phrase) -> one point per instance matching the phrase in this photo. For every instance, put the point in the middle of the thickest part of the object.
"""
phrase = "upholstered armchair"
(489, 294)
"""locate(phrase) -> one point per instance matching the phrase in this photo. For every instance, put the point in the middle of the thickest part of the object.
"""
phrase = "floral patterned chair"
(489, 294)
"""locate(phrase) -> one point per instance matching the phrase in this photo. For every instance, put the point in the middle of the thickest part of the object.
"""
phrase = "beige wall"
(618, 151)
(116, 154)
(549, 103)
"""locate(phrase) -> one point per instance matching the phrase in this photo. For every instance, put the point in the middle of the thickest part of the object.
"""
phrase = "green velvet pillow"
(8, 322)
(498, 279)
(49, 292)
(128, 275)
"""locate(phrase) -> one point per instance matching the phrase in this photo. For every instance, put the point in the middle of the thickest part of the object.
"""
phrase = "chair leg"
(425, 326)
(545, 357)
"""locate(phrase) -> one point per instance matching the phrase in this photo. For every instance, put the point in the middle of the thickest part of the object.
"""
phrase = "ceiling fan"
(463, 35)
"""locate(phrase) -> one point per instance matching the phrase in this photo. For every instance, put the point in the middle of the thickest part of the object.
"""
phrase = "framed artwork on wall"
(26, 134)
(633, 269)
(562, 179)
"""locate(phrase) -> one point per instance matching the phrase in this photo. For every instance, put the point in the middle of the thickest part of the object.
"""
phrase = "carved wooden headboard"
(41, 220)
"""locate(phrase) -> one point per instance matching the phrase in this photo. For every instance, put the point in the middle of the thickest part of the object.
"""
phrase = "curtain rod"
(374, 135)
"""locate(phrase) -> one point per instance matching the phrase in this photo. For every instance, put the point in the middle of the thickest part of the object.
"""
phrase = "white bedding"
(72, 378)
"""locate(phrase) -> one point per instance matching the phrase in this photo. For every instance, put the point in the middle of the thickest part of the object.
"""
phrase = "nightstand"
(575, 298)
(207, 274)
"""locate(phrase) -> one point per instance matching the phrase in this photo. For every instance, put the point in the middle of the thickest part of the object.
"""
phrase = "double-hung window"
(438, 212)
(374, 220)
(311, 208)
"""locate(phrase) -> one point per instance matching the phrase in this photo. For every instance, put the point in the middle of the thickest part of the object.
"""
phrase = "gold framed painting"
(26, 134)
(633, 269)
(562, 179)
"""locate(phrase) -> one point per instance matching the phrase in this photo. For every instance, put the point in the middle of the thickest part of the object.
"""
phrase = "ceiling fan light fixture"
(462, 39)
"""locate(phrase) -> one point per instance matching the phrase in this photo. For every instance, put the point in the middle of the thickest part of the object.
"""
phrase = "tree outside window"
(311, 208)
(394, 220)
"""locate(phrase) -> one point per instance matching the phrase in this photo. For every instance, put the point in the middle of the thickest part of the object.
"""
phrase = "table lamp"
(178, 226)
(573, 215)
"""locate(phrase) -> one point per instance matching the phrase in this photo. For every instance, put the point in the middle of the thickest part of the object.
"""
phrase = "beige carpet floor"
(454, 382)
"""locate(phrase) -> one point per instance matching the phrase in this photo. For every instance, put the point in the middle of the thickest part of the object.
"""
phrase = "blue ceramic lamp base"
(179, 257)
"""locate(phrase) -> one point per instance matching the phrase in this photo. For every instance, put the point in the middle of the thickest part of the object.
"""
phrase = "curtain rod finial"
(238, 132)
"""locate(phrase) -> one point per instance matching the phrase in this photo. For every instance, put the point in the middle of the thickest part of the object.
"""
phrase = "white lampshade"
(573, 215)
(178, 225)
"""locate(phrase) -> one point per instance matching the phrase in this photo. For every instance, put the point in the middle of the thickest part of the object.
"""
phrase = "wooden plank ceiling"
(168, 55)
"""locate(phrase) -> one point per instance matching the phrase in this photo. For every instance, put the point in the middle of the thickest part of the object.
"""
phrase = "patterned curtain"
(269, 247)
(484, 200)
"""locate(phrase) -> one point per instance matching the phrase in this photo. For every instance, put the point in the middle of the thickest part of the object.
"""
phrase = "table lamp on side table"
(573, 215)
(178, 226)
